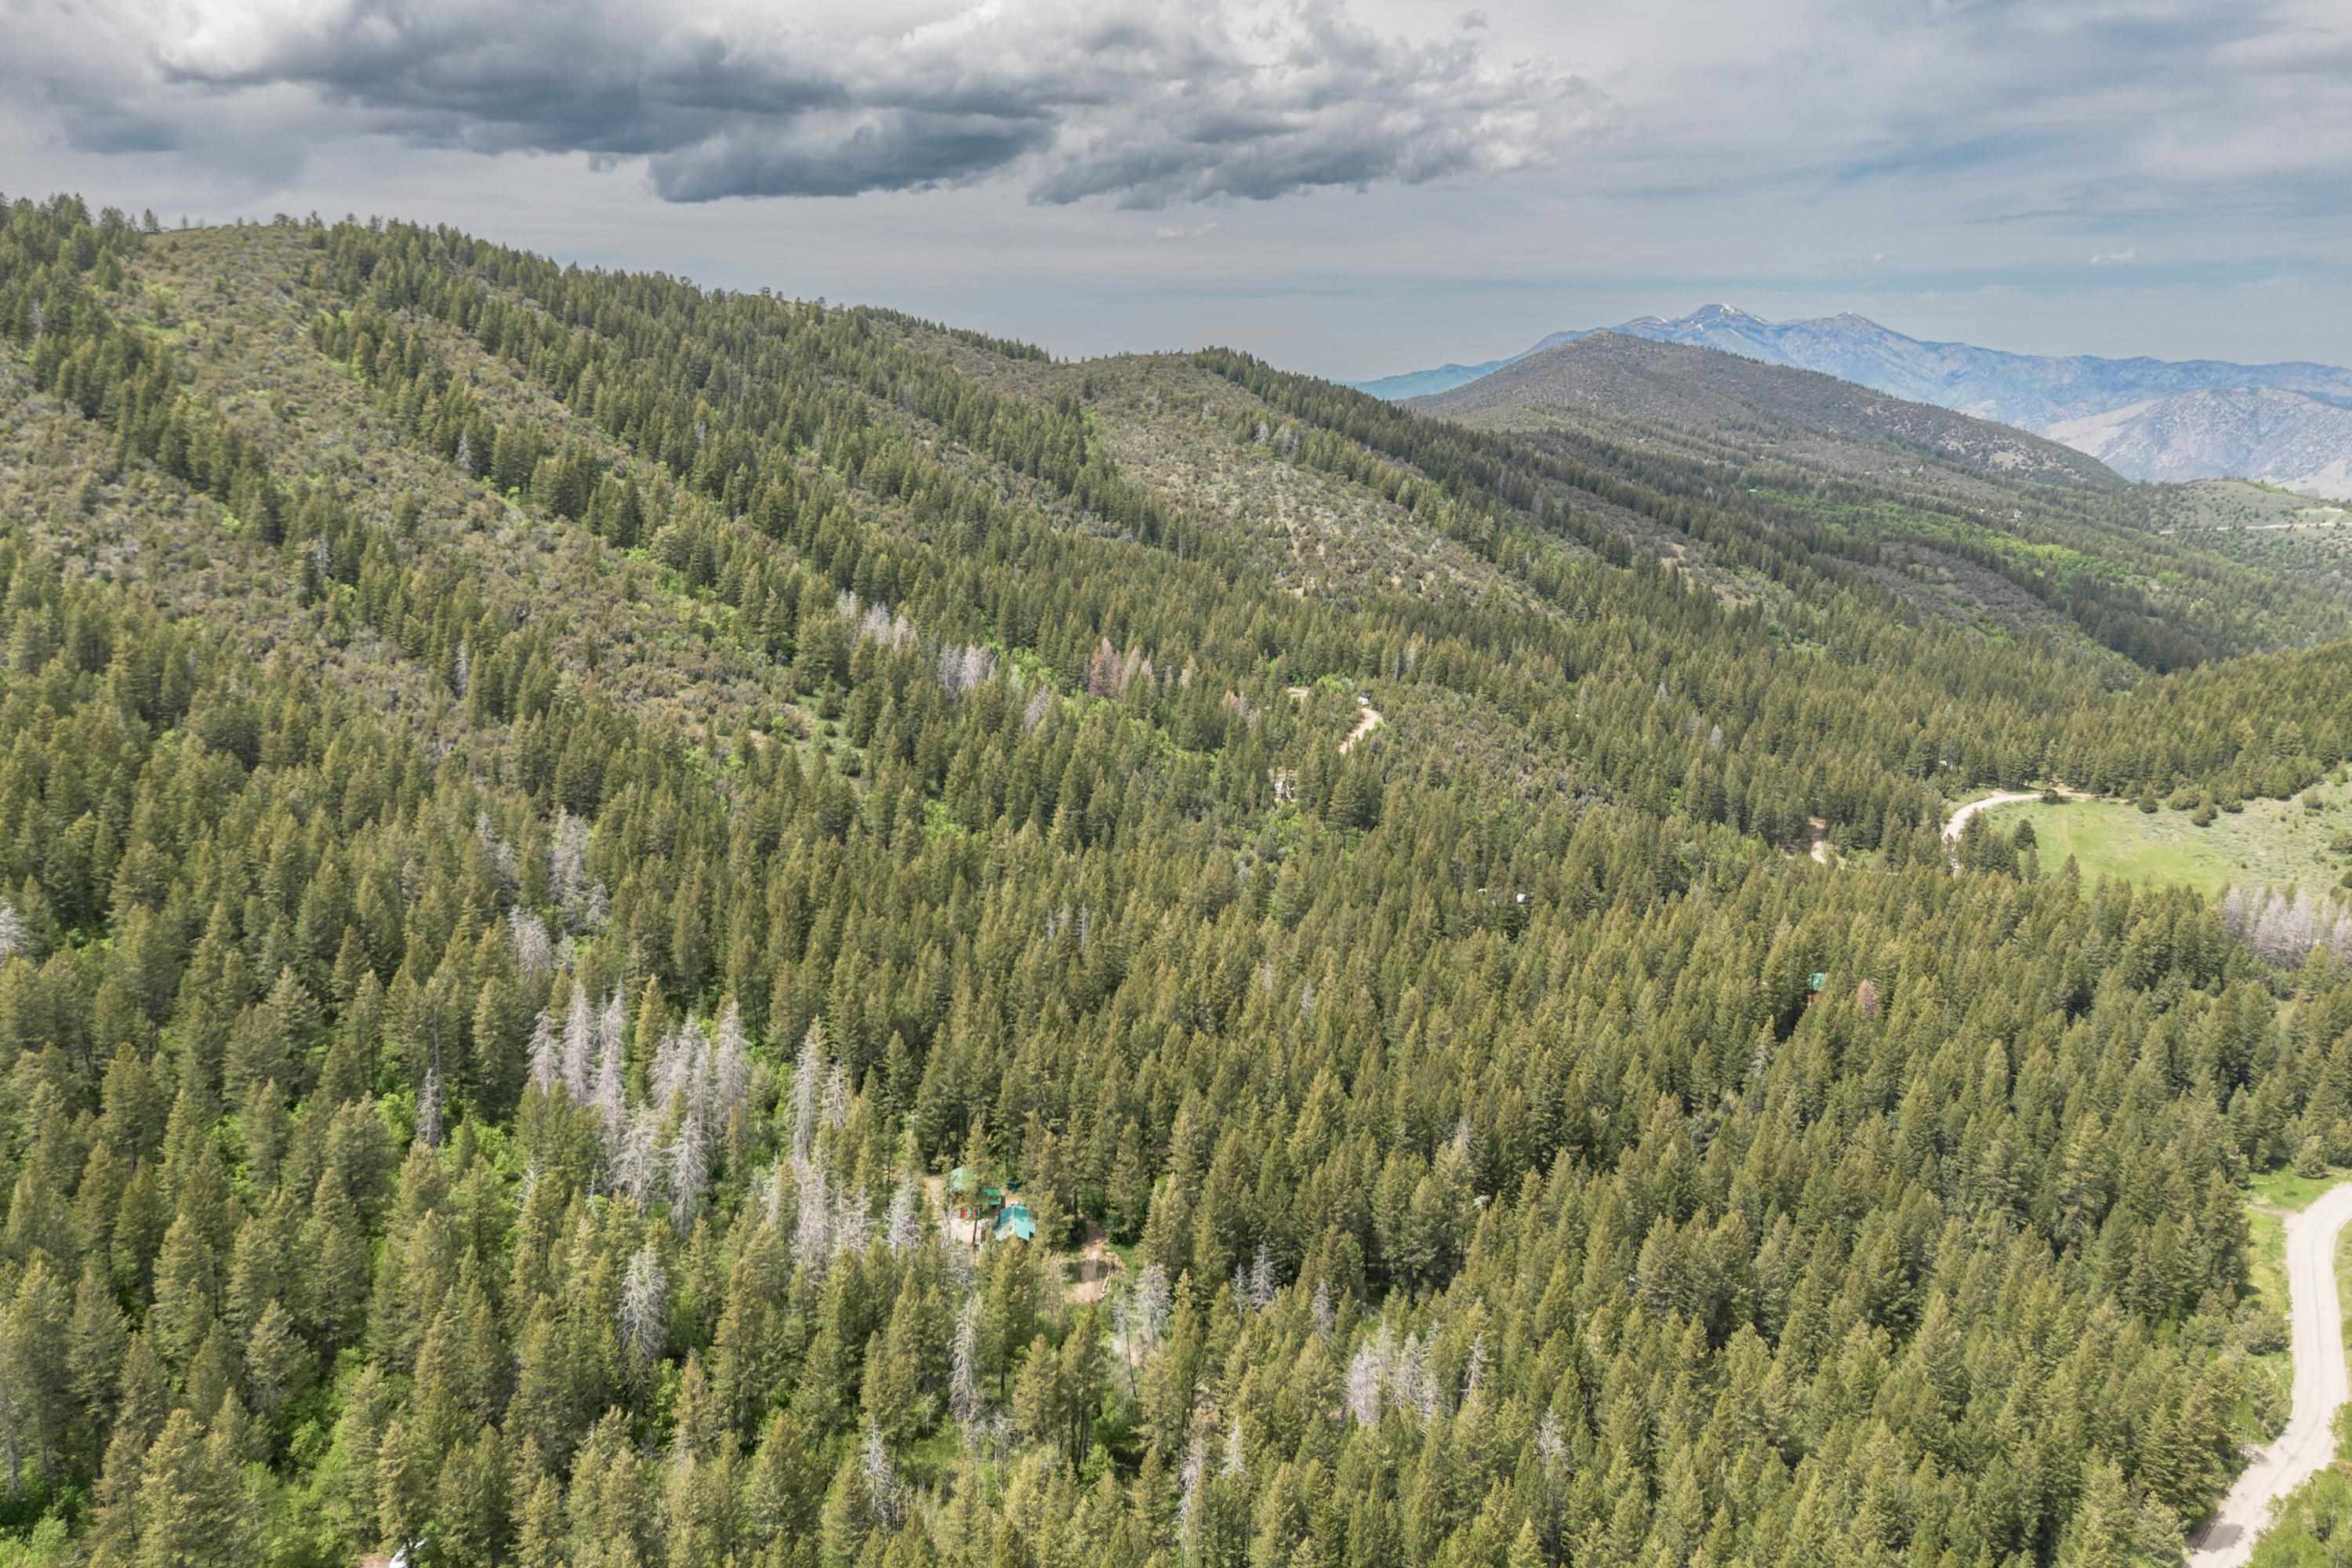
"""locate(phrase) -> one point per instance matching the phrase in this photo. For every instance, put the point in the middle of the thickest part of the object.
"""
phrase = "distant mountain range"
(2289, 438)
(1648, 388)
(2287, 424)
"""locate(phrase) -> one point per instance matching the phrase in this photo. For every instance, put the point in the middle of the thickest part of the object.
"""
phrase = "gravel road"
(1961, 817)
(2306, 1445)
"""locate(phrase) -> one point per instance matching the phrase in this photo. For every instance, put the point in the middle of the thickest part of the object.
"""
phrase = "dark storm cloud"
(1139, 103)
(895, 150)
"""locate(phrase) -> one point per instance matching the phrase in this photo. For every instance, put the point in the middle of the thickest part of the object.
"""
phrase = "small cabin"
(994, 1213)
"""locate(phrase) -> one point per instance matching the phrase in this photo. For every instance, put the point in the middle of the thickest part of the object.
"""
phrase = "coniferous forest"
(567, 838)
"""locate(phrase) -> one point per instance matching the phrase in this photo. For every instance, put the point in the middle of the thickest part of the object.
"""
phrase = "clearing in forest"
(2271, 843)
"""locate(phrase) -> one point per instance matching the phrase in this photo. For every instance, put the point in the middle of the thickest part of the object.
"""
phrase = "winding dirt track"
(2307, 1444)
(1368, 720)
(1961, 817)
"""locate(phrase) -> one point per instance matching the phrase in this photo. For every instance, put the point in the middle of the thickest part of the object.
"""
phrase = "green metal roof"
(1017, 1221)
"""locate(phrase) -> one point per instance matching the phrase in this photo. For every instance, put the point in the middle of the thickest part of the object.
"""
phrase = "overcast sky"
(1349, 188)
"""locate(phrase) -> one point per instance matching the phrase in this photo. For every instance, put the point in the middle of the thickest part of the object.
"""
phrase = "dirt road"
(2307, 1444)
(1367, 719)
(2006, 797)
(1960, 817)
(2335, 522)
(1094, 1267)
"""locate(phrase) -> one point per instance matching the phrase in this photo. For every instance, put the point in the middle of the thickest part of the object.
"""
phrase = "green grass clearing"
(2282, 1189)
(2266, 1269)
(2312, 1523)
(2263, 1413)
(2272, 843)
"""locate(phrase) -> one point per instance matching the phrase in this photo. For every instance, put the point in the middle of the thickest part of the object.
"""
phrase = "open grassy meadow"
(2271, 843)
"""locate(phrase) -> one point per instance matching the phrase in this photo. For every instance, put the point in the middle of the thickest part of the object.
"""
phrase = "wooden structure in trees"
(994, 1213)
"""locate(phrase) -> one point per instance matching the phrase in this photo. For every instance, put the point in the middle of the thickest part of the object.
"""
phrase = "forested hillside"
(556, 826)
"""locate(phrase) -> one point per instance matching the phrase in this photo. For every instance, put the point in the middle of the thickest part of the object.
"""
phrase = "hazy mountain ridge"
(1612, 376)
(2258, 433)
(1446, 377)
(2032, 392)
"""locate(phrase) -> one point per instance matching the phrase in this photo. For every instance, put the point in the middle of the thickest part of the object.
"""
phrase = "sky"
(1346, 187)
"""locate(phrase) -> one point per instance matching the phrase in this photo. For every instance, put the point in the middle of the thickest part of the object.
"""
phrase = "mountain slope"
(2036, 392)
(1957, 518)
(2279, 437)
(1612, 376)
(1445, 377)
(2029, 390)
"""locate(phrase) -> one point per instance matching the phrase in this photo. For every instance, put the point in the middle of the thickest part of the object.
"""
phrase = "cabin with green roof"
(996, 1214)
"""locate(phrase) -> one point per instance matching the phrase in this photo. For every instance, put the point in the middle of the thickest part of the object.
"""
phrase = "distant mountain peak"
(2137, 414)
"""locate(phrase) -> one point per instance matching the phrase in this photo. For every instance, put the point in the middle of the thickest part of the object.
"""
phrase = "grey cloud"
(100, 126)
(894, 150)
(1340, 108)
(1138, 103)
(2059, 115)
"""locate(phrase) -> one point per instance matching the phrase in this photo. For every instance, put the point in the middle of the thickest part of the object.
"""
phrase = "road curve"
(2307, 1444)
(2008, 797)
(1959, 818)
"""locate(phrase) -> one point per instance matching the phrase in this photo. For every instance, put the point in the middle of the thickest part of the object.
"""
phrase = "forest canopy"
(567, 840)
